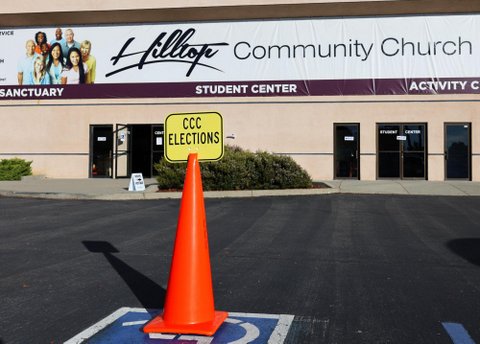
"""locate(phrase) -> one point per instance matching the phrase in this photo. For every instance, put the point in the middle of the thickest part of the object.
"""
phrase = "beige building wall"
(56, 136)
(53, 13)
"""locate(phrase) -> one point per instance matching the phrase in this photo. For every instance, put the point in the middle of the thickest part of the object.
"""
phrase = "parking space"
(342, 268)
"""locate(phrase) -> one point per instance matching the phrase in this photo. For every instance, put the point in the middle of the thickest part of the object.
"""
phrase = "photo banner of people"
(62, 60)
(301, 57)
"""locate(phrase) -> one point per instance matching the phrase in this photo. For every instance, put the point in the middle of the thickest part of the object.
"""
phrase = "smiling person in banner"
(76, 70)
(69, 42)
(25, 64)
(55, 64)
(39, 75)
(89, 60)
(58, 37)
(44, 50)
(41, 47)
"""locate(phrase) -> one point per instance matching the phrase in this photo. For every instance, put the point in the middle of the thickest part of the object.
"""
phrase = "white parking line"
(252, 332)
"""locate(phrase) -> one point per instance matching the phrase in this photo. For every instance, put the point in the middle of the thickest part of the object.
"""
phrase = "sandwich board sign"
(200, 133)
(136, 182)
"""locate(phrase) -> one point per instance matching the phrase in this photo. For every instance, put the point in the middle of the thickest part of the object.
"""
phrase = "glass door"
(101, 149)
(401, 151)
(389, 154)
(413, 151)
(157, 146)
(122, 151)
(140, 149)
(346, 150)
(457, 151)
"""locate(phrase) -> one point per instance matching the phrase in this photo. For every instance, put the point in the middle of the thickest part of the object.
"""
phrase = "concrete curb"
(115, 190)
(166, 195)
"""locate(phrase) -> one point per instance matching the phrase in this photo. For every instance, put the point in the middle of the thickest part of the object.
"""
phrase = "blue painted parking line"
(457, 333)
(124, 326)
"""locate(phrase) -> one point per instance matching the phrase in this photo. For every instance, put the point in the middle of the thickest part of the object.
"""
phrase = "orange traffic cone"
(189, 306)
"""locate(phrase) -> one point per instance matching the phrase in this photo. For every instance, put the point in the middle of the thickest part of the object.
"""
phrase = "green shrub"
(239, 170)
(14, 169)
(170, 176)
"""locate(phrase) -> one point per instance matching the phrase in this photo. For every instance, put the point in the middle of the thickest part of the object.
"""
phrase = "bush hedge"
(239, 170)
(14, 169)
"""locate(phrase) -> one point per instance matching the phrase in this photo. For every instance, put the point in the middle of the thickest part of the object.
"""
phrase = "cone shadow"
(149, 294)
(467, 248)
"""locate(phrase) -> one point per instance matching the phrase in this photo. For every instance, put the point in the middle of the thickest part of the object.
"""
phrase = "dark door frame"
(91, 149)
(122, 152)
(469, 149)
(401, 126)
(335, 148)
(128, 150)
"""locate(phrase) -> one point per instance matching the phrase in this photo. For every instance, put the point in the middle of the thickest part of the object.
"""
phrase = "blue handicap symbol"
(125, 327)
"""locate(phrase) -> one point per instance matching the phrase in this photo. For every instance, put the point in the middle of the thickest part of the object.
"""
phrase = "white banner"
(418, 54)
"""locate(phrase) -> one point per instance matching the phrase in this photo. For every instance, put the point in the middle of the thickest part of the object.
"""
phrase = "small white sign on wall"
(136, 182)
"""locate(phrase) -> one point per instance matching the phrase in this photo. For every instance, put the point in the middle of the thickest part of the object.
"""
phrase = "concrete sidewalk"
(117, 189)
(407, 187)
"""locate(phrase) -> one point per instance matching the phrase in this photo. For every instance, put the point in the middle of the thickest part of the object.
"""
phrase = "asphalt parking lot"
(350, 268)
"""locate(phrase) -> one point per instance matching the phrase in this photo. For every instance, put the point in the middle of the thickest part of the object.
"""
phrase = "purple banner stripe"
(247, 89)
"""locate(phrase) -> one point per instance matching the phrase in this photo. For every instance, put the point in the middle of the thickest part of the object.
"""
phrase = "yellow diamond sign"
(200, 133)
